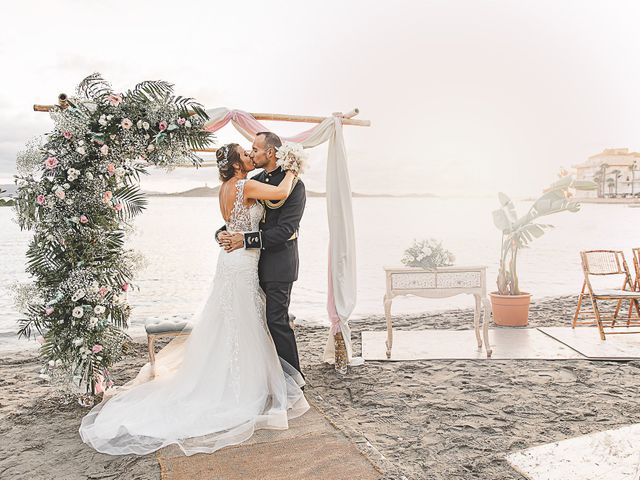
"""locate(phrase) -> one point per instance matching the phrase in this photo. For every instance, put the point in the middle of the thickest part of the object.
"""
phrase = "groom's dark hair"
(271, 140)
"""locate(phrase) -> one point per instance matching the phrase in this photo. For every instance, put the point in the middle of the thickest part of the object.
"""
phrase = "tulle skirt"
(212, 388)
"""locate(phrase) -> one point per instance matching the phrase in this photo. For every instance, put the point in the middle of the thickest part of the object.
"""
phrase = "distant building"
(616, 171)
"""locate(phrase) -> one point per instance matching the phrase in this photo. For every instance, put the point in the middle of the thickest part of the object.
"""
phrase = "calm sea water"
(176, 236)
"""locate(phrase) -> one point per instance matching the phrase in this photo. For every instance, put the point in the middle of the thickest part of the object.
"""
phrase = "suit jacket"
(279, 257)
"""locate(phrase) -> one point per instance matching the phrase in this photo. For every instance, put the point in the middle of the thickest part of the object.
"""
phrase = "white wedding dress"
(214, 387)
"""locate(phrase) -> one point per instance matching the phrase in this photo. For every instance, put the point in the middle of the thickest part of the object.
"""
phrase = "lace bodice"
(244, 219)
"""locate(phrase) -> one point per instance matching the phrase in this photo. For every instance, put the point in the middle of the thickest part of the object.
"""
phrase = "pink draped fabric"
(334, 318)
(249, 126)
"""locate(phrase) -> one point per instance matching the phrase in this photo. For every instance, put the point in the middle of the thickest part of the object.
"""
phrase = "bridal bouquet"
(291, 156)
(427, 254)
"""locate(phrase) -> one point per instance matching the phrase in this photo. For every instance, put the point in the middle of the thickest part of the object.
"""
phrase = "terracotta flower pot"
(510, 310)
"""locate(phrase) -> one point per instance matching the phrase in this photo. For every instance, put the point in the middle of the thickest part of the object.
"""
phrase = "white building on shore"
(616, 171)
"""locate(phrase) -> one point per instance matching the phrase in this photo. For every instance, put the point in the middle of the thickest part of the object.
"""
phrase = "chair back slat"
(602, 262)
(636, 266)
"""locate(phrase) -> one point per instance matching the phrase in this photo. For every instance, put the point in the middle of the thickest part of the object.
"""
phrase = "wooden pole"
(347, 118)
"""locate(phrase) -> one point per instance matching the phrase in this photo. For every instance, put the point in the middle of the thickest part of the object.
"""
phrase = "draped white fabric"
(342, 258)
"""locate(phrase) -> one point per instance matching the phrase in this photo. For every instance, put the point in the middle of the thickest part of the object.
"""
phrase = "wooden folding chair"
(601, 263)
(636, 267)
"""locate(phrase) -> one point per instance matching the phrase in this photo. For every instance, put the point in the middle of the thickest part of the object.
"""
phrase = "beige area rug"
(586, 340)
(507, 344)
(310, 449)
(608, 455)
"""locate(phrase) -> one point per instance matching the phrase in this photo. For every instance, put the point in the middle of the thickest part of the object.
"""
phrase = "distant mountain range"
(213, 192)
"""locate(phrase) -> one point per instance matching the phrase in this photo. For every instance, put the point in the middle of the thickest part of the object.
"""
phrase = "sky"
(466, 97)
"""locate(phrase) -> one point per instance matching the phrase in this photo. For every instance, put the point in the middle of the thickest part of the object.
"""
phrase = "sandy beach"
(415, 420)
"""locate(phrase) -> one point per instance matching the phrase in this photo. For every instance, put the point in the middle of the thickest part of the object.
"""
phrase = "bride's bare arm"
(262, 191)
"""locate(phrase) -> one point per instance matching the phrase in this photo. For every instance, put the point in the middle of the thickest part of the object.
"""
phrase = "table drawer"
(459, 280)
(413, 280)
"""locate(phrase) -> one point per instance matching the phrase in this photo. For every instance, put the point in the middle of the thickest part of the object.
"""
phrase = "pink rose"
(181, 121)
(51, 162)
(111, 168)
(104, 149)
(99, 388)
(125, 286)
(48, 311)
(107, 196)
(97, 348)
(60, 194)
(67, 135)
(118, 206)
(126, 123)
(102, 291)
(84, 219)
(162, 126)
(115, 99)
(40, 199)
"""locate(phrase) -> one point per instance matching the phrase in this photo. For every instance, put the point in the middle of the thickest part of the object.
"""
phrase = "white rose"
(139, 124)
(93, 322)
(80, 292)
(51, 363)
(151, 147)
(66, 186)
(120, 171)
(145, 125)
(58, 362)
(99, 309)
(89, 175)
(78, 312)
(104, 149)
(78, 341)
(81, 151)
(68, 201)
(187, 124)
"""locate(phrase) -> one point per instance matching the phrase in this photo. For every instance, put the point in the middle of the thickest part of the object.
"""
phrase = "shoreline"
(440, 419)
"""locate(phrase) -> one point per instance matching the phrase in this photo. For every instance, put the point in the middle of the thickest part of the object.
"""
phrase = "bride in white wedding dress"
(214, 387)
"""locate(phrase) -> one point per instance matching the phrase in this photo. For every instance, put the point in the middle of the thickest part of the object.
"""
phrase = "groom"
(278, 240)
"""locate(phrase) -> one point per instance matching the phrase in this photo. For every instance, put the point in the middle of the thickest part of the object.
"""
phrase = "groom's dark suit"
(278, 267)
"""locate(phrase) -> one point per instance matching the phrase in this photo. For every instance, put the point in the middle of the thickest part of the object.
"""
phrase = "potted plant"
(510, 304)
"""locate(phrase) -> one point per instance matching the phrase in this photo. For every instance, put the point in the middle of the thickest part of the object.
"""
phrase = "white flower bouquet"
(427, 254)
(291, 156)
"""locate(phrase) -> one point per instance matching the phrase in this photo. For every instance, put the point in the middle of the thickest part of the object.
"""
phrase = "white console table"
(440, 283)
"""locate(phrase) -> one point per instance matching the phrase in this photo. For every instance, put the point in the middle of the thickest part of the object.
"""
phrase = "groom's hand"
(220, 237)
(232, 241)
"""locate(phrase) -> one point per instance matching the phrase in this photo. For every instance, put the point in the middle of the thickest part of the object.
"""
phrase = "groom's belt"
(254, 239)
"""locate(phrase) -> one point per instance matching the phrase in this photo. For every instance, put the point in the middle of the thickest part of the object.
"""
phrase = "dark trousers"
(278, 297)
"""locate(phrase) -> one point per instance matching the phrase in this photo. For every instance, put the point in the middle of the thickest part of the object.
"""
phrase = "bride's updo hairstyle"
(227, 158)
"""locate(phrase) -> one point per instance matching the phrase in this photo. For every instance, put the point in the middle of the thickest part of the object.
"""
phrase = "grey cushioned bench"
(164, 327)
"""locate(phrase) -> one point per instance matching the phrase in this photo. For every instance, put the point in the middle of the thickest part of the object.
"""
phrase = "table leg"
(476, 319)
(387, 315)
(485, 325)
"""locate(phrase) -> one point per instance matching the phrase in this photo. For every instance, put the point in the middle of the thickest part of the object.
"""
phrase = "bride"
(214, 387)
